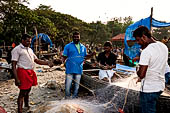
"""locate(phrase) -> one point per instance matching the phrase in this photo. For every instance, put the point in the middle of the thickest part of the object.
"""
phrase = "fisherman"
(167, 69)
(74, 53)
(23, 60)
(151, 71)
(106, 60)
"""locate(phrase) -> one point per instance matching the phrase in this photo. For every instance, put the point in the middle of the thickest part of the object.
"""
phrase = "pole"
(39, 46)
(151, 19)
(25, 30)
(36, 43)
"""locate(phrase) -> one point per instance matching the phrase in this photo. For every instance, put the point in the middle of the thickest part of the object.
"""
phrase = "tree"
(16, 17)
(10, 19)
(119, 25)
(126, 22)
(159, 33)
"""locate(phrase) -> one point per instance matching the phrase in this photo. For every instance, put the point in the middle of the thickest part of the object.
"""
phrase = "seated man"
(107, 60)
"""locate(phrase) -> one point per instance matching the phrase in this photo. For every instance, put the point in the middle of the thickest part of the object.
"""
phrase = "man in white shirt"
(23, 60)
(151, 73)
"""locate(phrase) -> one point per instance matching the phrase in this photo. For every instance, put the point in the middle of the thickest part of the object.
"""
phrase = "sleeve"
(99, 57)
(65, 52)
(35, 57)
(114, 59)
(144, 57)
(85, 52)
(15, 54)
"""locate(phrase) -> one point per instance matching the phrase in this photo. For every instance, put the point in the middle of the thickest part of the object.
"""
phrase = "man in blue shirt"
(74, 54)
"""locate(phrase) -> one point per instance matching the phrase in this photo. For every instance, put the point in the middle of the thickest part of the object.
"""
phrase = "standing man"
(151, 71)
(23, 60)
(74, 54)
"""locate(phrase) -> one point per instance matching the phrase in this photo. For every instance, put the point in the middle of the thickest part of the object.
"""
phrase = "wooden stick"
(151, 19)
(36, 43)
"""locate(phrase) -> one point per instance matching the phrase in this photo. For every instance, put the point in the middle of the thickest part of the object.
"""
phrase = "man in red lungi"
(23, 60)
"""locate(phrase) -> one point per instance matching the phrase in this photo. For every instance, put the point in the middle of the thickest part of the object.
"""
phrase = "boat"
(120, 97)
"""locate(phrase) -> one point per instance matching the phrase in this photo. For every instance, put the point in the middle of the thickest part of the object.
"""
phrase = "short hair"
(165, 37)
(25, 36)
(76, 33)
(142, 30)
(108, 43)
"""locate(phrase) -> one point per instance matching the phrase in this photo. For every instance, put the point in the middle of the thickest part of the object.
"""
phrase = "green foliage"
(160, 33)
(119, 25)
(11, 18)
(16, 19)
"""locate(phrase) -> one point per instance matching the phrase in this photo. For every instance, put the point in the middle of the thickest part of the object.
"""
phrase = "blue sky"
(104, 10)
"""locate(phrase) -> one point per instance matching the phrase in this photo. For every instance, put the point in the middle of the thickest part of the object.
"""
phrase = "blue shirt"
(74, 62)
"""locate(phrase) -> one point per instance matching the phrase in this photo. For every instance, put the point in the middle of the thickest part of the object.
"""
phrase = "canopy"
(135, 49)
(119, 37)
(43, 37)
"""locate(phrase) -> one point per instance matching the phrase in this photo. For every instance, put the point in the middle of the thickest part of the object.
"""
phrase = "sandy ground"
(50, 87)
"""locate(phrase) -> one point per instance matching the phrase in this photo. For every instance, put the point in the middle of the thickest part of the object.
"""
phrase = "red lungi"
(27, 78)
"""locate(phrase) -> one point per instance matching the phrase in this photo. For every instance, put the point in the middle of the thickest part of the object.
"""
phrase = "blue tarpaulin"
(156, 23)
(44, 37)
(134, 50)
(123, 67)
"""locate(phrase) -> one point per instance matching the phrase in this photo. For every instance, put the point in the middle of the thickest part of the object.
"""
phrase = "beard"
(76, 41)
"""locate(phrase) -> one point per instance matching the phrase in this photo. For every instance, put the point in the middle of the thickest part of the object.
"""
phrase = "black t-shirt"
(111, 60)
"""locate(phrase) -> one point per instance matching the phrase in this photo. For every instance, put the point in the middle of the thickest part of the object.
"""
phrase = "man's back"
(155, 55)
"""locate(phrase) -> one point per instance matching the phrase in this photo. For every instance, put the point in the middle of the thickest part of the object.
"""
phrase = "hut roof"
(119, 37)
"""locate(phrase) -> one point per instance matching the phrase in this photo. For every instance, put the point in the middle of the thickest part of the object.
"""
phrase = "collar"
(22, 46)
(74, 43)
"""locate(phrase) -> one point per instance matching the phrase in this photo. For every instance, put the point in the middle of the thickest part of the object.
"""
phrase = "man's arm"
(17, 81)
(90, 55)
(142, 72)
(135, 59)
(64, 59)
(43, 62)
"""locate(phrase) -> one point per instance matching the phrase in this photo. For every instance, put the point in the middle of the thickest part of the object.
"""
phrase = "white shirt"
(155, 55)
(24, 57)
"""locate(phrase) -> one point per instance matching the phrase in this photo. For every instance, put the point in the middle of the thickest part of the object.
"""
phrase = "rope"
(126, 95)
(112, 103)
(131, 81)
(85, 87)
(125, 101)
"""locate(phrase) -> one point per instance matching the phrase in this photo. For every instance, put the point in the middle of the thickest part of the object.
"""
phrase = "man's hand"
(94, 53)
(50, 64)
(135, 59)
(138, 80)
(94, 64)
(17, 82)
